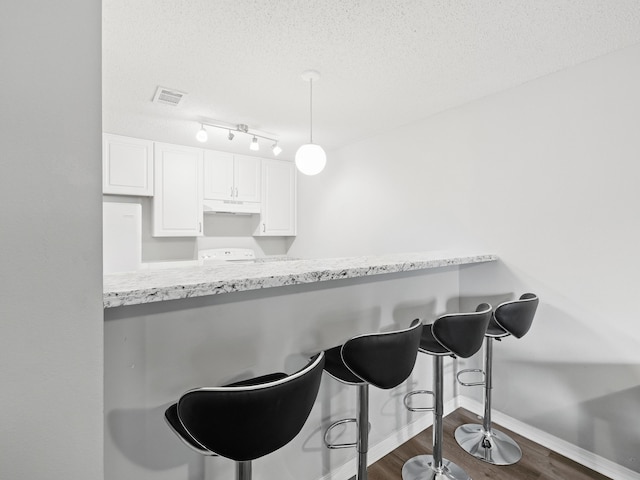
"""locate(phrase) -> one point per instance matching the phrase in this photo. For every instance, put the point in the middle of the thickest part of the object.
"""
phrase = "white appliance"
(218, 255)
(211, 256)
(121, 237)
(230, 206)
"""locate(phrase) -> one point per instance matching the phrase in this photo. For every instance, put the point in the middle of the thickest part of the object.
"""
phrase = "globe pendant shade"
(311, 159)
(202, 136)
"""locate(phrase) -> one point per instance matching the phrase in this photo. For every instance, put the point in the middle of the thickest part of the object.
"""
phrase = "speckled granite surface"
(148, 286)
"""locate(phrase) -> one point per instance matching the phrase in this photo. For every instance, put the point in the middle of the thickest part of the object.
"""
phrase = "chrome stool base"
(421, 468)
(493, 447)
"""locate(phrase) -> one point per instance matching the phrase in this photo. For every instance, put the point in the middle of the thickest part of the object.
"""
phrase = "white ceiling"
(384, 63)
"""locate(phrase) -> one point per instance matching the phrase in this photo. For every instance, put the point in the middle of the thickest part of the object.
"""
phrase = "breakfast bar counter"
(155, 285)
(175, 326)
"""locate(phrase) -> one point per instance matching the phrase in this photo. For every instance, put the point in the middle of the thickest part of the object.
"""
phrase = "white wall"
(51, 349)
(546, 176)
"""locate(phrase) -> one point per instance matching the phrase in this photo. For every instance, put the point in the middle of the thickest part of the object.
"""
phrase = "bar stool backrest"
(516, 316)
(245, 422)
(385, 359)
(462, 333)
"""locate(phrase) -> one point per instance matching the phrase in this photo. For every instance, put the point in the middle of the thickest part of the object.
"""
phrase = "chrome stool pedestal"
(423, 467)
(433, 467)
(450, 335)
(364, 427)
(492, 446)
(482, 441)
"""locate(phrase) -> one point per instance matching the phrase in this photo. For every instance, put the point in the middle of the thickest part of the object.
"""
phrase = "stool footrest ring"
(471, 370)
(335, 446)
(418, 409)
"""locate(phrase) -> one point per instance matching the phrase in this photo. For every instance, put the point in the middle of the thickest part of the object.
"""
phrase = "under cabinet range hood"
(230, 206)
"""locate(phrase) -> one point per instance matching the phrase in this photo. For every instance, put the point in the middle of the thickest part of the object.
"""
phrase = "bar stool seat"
(482, 441)
(461, 335)
(383, 360)
(249, 419)
(335, 366)
(430, 345)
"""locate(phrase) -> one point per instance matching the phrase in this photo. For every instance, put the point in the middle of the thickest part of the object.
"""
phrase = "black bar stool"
(461, 335)
(383, 360)
(249, 419)
(481, 441)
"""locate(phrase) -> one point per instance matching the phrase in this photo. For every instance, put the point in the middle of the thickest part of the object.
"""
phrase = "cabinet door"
(278, 214)
(127, 165)
(246, 174)
(218, 175)
(177, 203)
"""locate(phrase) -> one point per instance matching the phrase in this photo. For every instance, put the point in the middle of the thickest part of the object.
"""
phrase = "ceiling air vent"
(167, 96)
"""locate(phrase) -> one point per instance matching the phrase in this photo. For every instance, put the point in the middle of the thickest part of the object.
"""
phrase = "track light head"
(202, 135)
(276, 149)
(255, 146)
(231, 135)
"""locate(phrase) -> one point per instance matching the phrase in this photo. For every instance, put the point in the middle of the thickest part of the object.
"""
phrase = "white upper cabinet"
(218, 175)
(278, 213)
(127, 165)
(231, 178)
(177, 203)
(246, 174)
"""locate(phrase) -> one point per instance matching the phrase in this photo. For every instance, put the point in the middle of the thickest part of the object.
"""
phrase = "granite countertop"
(146, 286)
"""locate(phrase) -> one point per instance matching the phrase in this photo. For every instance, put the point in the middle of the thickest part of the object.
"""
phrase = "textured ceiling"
(383, 63)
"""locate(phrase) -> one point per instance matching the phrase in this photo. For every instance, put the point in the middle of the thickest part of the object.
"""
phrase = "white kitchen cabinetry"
(177, 203)
(231, 180)
(278, 213)
(127, 165)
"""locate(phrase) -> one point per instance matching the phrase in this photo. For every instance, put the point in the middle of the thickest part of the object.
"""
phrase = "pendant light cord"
(310, 110)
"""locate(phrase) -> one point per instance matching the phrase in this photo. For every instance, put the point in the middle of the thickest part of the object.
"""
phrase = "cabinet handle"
(200, 226)
(264, 228)
(231, 192)
(236, 192)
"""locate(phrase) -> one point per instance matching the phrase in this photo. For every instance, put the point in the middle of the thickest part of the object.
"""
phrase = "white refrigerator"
(121, 237)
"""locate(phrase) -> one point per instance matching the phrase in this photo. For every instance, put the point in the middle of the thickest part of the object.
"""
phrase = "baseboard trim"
(389, 444)
(573, 452)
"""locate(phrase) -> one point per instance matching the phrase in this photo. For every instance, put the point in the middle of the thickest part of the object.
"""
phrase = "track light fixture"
(310, 158)
(202, 136)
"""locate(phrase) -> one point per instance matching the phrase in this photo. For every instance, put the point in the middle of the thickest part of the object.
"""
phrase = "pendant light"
(310, 158)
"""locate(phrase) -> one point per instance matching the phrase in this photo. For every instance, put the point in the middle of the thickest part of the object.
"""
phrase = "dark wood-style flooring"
(537, 463)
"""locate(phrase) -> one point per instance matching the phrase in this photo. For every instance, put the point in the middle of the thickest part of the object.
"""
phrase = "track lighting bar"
(240, 128)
